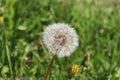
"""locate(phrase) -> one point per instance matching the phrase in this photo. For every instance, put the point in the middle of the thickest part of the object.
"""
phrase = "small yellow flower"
(75, 69)
(1, 19)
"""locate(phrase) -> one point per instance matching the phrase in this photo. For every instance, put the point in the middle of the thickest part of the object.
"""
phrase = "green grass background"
(97, 23)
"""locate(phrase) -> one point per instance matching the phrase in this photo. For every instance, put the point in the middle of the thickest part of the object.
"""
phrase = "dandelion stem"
(83, 75)
(49, 68)
(63, 8)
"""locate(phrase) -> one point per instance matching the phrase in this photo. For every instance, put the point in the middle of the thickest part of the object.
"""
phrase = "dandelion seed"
(60, 39)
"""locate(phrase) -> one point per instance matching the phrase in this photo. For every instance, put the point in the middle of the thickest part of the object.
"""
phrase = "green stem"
(9, 60)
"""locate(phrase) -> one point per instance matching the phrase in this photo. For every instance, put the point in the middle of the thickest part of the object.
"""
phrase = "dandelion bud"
(75, 69)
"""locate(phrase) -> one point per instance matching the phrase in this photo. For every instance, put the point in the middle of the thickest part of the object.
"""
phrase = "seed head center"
(60, 39)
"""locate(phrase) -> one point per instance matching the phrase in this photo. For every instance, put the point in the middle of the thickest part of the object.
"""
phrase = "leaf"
(1, 78)
(22, 27)
(106, 65)
(118, 73)
(4, 70)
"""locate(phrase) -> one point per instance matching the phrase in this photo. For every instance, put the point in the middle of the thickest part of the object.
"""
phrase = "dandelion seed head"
(60, 39)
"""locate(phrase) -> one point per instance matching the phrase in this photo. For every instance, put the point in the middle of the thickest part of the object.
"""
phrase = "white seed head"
(60, 39)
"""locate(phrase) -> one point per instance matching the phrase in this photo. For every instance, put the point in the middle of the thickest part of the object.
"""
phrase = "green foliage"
(23, 54)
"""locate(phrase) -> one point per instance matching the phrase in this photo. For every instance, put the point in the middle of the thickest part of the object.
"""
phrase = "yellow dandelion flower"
(75, 69)
(1, 18)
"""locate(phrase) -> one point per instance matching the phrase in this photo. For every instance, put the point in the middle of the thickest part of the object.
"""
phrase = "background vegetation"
(22, 52)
